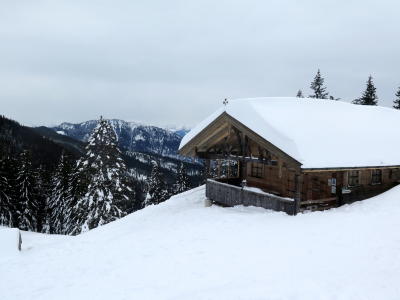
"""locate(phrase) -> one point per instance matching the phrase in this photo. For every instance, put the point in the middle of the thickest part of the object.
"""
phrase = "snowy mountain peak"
(132, 136)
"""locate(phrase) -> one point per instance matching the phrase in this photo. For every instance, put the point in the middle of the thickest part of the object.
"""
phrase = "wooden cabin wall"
(280, 180)
(276, 179)
(278, 173)
(315, 184)
(390, 178)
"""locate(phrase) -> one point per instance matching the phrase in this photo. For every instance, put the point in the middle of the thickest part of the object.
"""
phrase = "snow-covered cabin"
(321, 153)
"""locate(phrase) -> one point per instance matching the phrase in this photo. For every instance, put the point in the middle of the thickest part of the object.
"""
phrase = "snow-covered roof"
(319, 133)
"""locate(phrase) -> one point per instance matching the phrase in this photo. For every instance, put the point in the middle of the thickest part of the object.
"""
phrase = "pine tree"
(61, 197)
(396, 102)
(102, 172)
(42, 192)
(318, 87)
(300, 94)
(26, 193)
(6, 217)
(156, 187)
(182, 180)
(79, 183)
(369, 96)
(10, 167)
(126, 196)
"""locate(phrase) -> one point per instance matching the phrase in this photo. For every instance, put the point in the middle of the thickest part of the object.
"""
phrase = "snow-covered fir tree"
(61, 197)
(299, 94)
(26, 193)
(182, 180)
(318, 87)
(396, 102)
(6, 208)
(369, 96)
(100, 173)
(79, 183)
(156, 188)
(126, 197)
(10, 170)
(43, 190)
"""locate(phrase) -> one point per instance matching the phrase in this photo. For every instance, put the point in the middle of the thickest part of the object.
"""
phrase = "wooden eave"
(338, 169)
(223, 122)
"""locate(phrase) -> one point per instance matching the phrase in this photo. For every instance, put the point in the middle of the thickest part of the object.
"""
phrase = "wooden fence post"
(19, 240)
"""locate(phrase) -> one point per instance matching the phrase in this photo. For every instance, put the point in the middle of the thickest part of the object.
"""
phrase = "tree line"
(77, 195)
(368, 97)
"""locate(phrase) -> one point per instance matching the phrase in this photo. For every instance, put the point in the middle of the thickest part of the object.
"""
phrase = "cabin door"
(336, 187)
(316, 188)
(333, 184)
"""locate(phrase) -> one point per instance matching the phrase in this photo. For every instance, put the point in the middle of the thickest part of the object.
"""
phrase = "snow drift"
(9, 241)
(182, 250)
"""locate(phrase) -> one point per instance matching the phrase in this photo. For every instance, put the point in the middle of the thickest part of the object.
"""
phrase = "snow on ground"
(183, 250)
(9, 241)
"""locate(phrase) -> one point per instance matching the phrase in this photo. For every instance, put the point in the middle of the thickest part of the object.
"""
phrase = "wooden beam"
(319, 201)
(206, 168)
(311, 170)
(204, 137)
(215, 137)
(239, 139)
(209, 155)
(243, 163)
(298, 182)
(264, 143)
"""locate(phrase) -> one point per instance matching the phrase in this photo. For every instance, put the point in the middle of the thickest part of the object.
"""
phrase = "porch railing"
(230, 195)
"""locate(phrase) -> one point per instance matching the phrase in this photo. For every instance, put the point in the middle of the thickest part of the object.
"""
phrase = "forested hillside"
(53, 183)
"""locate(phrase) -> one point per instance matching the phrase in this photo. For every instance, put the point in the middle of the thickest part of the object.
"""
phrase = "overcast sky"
(173, 62)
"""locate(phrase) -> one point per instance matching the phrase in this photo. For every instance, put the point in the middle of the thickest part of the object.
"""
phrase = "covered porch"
(226, 185)
(244, 169)
(227, 192)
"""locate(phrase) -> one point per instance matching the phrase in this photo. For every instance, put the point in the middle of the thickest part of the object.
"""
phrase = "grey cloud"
(172, 62)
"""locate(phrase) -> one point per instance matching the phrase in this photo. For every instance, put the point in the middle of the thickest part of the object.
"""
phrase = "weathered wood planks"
(230, 195)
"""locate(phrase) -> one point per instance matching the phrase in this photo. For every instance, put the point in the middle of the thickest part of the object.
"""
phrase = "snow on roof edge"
(227, 109)
(200, 127)
(290, 124)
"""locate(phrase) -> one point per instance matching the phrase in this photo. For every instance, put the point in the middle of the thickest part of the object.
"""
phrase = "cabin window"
(394, 174)
(376, 176)
(354, 178)
(257, 170)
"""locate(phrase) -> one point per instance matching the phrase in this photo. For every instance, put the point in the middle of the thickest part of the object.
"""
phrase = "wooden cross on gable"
(225, 102)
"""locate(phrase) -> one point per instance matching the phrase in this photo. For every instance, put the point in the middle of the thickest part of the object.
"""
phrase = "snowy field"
(182, 250)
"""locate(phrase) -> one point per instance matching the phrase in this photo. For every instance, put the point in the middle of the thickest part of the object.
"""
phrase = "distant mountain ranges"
(140, 145)
(132, 136)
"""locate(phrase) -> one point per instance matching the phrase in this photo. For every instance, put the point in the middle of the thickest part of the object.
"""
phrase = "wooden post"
(206, 169)
(243, 169)
(297, 197)
(19, 240)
